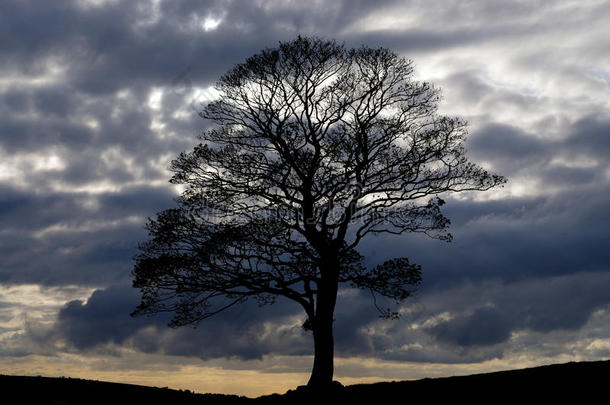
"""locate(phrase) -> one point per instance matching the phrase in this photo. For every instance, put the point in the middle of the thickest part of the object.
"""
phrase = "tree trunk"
(323, 364)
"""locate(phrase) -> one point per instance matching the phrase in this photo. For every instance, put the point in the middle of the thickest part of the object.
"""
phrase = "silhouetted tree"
(316, 146)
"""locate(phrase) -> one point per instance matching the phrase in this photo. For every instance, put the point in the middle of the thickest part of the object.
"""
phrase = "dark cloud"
(590, 135)
(24, 211)
(104, 318)
(509, 239)
(576, 159)
(245, 332)
(483, 315)
(507, 146)
(564, 176)
(485, 326)
(65, 238)
(120, 44)
(541, 305)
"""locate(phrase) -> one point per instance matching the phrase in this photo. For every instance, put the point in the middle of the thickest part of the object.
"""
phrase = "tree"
(316, 147)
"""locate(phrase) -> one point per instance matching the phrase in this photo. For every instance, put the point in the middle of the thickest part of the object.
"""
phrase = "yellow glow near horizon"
(166, 371)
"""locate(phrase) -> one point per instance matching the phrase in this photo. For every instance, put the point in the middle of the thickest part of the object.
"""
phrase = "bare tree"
(316, 147)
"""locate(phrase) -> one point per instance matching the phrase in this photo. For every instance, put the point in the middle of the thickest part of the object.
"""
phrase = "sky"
(98, 96)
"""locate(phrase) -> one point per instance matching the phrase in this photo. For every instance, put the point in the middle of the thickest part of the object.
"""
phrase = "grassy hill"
(584, 382)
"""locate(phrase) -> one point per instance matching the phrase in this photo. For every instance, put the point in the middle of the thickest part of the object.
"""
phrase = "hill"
(69, 391)
(583, 382)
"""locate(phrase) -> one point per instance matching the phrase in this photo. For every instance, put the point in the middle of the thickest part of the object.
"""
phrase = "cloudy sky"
(98, 96)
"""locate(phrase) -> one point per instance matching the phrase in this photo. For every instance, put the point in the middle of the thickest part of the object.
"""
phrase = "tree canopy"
(316, 146)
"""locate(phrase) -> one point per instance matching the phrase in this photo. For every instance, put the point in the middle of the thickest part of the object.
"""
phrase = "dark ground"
(580, 383)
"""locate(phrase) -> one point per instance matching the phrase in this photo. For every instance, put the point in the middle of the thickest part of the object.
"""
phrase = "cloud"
(589, 136)
(28, 313)
(485, 326)
(66, 238)
(471, 322)
(509, 239)
(508, 147)
(103, 318)
(247, 332)
(501, 311)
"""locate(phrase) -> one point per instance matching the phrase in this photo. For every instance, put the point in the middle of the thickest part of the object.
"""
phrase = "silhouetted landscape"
(580, 380)
(222, 195)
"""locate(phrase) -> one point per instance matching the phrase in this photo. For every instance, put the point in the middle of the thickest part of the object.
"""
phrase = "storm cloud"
(247, 332)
